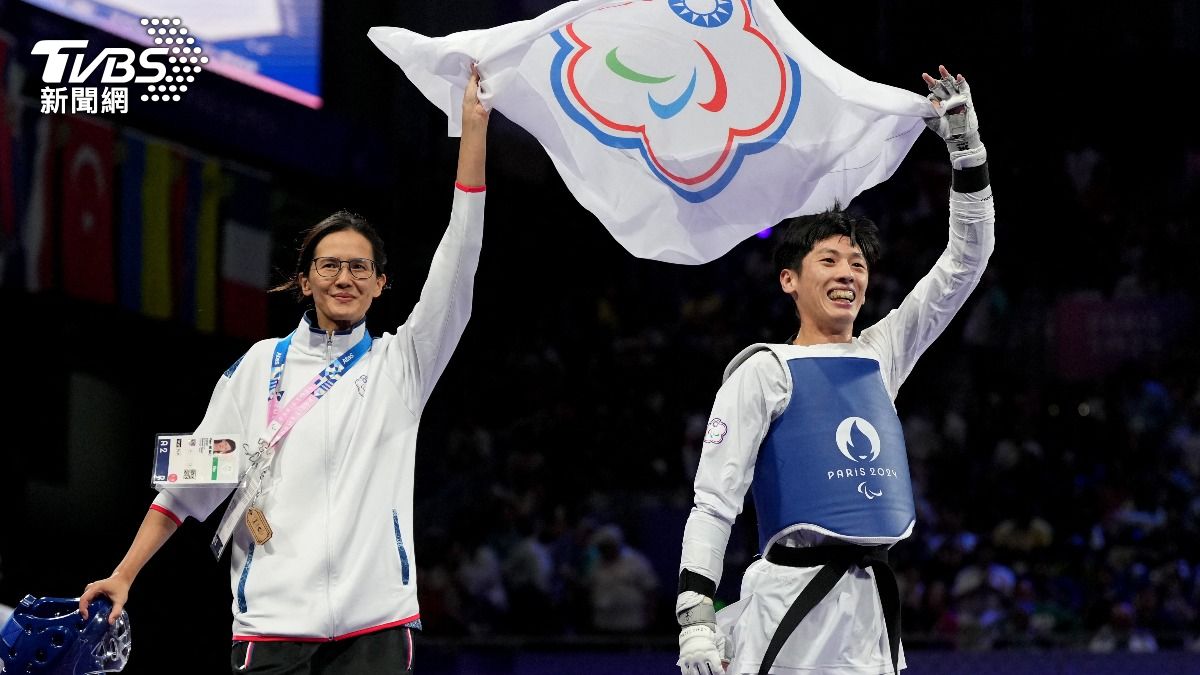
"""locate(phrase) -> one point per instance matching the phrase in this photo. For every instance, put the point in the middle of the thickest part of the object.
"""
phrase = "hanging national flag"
(168, 231)
(195, 202)
(129, 227)
(144, 278)
(685, 126)
(87, 210)
(156, 231)
(207, 177)
(37, 222)
(245, 256)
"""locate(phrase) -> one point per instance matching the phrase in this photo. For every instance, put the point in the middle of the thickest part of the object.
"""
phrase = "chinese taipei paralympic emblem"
(692, 85)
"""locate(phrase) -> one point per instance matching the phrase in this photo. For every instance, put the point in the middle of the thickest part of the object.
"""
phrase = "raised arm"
(472, 146)
(907, 331)
(429, 335)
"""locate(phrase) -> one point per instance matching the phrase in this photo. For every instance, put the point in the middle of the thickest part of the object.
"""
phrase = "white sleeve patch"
(716, 431)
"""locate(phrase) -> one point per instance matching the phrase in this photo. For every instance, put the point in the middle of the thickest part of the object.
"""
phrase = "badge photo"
(185, 460)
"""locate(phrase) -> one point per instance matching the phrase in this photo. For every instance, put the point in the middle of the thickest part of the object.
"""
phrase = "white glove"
(700, 650)
(956, 121)
(701, 647)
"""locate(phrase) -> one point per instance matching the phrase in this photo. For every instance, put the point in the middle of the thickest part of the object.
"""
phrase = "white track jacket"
(340, 490)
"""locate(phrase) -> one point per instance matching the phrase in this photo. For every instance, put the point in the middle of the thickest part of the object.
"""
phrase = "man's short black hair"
(799, 235)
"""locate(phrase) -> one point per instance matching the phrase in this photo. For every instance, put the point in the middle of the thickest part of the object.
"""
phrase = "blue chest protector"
(835, 458)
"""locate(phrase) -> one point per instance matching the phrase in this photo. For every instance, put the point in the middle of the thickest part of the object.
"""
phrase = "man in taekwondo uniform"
(812, 425)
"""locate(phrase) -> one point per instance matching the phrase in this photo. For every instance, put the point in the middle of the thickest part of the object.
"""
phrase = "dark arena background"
(1053, 430)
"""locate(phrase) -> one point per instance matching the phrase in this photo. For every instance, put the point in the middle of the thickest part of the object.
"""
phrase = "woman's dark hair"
(342, 220)
(799, 235)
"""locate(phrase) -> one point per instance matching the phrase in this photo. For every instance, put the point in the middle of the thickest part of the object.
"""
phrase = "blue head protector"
(49, 636)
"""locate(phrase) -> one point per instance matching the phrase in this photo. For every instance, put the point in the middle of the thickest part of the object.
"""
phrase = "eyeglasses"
(360, 268)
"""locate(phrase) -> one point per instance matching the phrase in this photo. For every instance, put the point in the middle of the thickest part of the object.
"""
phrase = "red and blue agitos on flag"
(720, 85)
(685, 126)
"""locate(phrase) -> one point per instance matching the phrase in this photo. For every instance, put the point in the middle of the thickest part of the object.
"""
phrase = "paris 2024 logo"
(858, 441)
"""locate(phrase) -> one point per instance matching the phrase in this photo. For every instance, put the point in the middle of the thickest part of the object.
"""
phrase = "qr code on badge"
(189, 474)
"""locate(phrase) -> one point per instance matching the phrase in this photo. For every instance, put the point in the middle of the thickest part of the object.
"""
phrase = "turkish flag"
(87, 181)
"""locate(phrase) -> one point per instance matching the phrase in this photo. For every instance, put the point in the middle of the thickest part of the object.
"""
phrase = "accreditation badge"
(184, 460)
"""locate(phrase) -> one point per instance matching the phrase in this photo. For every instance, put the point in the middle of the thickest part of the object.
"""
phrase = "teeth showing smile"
(841, 294)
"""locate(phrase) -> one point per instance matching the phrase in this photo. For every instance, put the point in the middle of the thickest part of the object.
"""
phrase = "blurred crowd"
(1058, 504)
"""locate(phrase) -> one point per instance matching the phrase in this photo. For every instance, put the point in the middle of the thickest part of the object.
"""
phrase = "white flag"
(684, 125)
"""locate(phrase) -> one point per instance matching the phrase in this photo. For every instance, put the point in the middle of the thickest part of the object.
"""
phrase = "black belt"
(834, 562)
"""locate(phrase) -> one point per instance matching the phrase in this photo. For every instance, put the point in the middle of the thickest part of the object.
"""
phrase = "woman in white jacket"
(323, 572)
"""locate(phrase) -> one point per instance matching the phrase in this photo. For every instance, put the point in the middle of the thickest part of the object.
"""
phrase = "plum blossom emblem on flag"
(724, 85)
(684, 126)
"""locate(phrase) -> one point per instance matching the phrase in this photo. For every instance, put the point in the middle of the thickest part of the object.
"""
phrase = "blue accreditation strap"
(278, 359)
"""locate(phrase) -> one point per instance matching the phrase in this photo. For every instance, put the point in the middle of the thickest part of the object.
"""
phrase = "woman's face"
(222, 446)
(341, 300)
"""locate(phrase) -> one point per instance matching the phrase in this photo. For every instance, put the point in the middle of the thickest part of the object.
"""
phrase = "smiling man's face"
(830, 286)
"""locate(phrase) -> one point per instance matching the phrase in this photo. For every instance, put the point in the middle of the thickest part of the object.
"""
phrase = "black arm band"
(972, 179)
(690, 581)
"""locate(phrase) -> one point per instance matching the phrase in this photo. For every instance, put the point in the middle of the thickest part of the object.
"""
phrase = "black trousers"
(387, 652)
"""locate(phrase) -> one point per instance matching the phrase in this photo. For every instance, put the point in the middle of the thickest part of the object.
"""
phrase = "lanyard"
(279, 423)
